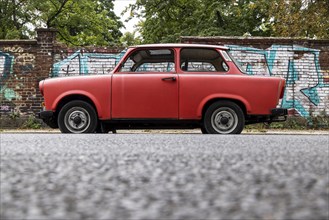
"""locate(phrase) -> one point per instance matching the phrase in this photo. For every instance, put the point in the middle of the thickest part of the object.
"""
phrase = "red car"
(164, 86)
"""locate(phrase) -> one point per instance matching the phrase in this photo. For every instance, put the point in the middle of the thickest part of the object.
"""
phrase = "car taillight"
(282, 88)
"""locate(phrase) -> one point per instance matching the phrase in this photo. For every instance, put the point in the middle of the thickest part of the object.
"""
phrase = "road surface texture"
(164, 176)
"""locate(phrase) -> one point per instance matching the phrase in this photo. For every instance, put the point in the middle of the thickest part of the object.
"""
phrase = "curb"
(189, 131)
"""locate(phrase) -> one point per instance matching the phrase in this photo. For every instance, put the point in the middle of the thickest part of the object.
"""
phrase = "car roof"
(181, 46)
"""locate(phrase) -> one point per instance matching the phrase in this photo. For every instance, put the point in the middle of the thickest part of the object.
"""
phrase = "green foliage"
(31, 123)
(93, 22)
(167, 20)
(14, 115)
(79, 22)
(130, 39)
(300, 18)
(320, 122)
(13, 19)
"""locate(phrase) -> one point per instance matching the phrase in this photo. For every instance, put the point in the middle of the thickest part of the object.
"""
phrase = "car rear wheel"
(224, 117)
(77, 117)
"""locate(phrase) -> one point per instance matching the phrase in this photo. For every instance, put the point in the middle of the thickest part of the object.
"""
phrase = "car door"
(146, 87)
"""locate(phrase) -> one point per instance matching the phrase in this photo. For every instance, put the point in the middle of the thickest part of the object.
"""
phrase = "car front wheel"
(77, 117)
(224, 117)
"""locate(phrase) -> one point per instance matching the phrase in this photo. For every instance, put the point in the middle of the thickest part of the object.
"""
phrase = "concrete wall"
(303, 63)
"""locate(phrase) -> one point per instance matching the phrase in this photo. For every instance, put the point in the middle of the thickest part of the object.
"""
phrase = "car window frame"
(118, 71)
(207, 72)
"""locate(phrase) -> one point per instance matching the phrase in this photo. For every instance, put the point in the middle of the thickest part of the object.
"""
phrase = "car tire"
(101, 129)
(77, 117)
(203, 130)
(224, 117)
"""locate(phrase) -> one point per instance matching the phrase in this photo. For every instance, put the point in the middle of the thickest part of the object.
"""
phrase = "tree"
(300, 18)
(79, 22)
(167, 20)
(130, 39)
(13, 19)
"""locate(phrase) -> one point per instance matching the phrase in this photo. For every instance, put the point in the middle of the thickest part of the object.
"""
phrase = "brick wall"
(304, 63)
(23, 63)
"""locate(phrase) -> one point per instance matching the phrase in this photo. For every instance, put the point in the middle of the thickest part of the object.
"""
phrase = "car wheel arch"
(71, 97)
(241, 104)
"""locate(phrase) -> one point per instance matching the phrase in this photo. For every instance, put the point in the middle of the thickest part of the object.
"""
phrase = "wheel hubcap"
(224, 120)
(77, 120)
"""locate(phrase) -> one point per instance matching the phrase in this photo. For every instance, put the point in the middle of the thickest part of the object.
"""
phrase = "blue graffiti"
(249, 69)
(6, 66)
(251, 50)
(84, 62)
(292, 76)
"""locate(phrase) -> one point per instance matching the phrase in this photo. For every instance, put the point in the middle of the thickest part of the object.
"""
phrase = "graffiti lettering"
(15, 49)
(4, 108)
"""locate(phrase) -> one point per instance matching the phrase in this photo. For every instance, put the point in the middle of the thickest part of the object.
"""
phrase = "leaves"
(300, 18)
(93, 22)
(167, 20)
(79, 22)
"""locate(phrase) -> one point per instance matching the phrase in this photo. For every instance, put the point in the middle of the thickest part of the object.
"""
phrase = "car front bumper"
(45, 114)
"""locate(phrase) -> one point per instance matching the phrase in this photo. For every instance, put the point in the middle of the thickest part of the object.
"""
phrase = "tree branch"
(67, 40)
(53, 4)
(56, 14)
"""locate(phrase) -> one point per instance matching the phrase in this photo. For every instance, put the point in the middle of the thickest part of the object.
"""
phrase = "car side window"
(150, 60)
(202, 60)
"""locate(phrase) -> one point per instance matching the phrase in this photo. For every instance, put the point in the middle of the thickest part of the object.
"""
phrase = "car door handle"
(169, 79)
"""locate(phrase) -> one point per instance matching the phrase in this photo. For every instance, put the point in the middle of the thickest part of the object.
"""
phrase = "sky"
(119, 6)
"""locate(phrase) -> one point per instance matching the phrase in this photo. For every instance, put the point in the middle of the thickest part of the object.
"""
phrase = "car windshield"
(237, 63)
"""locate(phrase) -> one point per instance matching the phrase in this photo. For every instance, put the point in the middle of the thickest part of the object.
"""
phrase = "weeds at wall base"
(31, 123)
(17, 121)
(295, 123)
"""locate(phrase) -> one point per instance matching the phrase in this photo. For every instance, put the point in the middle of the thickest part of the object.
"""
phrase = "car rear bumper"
(278, 114)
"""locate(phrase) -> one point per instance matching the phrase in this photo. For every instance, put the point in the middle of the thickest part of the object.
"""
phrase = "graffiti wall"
(6, 70)
(304, 63)
(307, 90)
(85, 63)
(22, 64)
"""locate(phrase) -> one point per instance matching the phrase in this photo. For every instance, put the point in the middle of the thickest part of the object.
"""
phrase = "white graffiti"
(307, 90)
(81, 63)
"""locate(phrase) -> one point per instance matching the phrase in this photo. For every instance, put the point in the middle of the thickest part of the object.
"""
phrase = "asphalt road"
(164, 176)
